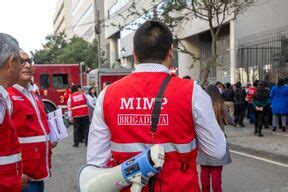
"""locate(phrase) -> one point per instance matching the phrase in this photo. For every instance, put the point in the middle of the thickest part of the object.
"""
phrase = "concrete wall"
(186, 65)
(62, 18)
(263, 16)
(83, 13)
(58, 23)
(110, 31)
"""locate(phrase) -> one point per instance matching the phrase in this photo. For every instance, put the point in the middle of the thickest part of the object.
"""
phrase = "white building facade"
(249, 48)
(263, 17)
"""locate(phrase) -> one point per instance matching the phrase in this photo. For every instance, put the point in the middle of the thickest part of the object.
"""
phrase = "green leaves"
(59, 49)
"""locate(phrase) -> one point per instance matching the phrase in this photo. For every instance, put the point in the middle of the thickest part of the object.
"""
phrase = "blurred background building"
(254, 46)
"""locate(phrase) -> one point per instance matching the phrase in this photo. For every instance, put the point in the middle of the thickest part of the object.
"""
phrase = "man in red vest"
(32, 128)
(78, 112)
(121, 125)
(10, 156)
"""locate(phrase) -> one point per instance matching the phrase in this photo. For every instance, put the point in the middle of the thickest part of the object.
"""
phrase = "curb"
(264, 154)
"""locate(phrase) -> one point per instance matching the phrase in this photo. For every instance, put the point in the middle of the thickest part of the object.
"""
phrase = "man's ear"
(9, 64)
(136, 59)
(170, 52)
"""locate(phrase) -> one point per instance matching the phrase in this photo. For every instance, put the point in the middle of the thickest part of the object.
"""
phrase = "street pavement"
(66, 162)
(247, 174)
(273, 146)
(243, 175)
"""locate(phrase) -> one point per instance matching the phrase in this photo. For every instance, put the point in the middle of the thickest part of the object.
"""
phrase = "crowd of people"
(264, 103)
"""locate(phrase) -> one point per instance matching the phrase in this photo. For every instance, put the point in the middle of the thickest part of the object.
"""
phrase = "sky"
(29, 21)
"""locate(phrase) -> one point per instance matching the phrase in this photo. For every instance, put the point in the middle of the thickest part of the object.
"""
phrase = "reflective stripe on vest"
(77, 107)
(168, 147)
(35, 139)
(4, 160)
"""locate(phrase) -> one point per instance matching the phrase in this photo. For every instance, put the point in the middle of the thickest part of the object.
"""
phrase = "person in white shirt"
(91, 99)
(119, 127)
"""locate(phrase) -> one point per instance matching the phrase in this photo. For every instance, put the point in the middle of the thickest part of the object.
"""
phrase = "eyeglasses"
(24, 61)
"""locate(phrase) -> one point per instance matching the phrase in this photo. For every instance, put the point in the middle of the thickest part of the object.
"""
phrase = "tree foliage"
(58, 49)
(176, 13)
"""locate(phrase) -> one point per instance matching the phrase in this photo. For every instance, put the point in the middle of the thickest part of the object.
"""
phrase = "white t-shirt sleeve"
(89, 100)
(210, 138)
(99, 150)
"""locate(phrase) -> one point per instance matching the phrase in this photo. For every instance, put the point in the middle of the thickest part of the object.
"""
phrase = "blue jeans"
(34, 186)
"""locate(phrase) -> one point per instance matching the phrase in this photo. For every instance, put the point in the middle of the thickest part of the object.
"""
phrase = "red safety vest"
(250, 93)
(79, 105)
(127, 111)
(10, 157)
(33, 135)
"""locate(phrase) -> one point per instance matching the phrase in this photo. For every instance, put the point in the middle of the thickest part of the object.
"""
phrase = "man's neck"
(23, 84)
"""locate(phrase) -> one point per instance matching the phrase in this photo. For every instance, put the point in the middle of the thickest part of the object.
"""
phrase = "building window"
(44, 81)
(86, 17)
(133, 26)
(87, 36)
(116, 7)
(76, 4)
(60, 81)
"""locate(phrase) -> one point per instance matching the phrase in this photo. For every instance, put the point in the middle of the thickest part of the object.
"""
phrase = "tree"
(58, 49)
(50, 49)
(176, 13)
(75, 52)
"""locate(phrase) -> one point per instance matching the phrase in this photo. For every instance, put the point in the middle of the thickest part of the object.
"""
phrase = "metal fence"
(263, 56)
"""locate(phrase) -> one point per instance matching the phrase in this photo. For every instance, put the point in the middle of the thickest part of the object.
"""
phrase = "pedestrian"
(239, 99)
(228, 97)
(259, 103)
(32, 128)
(250, 92)
(279, 104)
(120, 130)
(91, 98)
(211, 168)
(220, 86)
(67, 94)
(10, 156)
(78, 114)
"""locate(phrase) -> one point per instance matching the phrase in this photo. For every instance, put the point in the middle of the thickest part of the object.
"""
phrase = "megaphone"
(136, 171)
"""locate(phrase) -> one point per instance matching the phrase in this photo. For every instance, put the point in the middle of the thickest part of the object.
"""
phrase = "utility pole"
(97, 29)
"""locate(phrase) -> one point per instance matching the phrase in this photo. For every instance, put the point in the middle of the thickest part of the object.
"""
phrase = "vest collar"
(151, 67)
(23, 90)
(5, 96)
(3, 93)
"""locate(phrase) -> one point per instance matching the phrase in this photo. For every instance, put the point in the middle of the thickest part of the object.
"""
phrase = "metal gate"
(263, 56)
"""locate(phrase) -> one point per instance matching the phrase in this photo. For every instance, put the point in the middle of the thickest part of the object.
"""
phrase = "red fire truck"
(102, 76)
(53, 79)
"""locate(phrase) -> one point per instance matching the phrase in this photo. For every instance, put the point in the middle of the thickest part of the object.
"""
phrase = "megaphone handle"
(136, 187)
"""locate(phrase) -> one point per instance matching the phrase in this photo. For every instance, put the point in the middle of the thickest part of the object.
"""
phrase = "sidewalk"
(273, 146)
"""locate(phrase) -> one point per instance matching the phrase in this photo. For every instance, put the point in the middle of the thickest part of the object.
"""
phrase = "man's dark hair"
(281, 82)
(238, 84)
(218, 83)
(228, 85)
(152, 42)
(186, 77)
(255, 83)
(74, 88)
